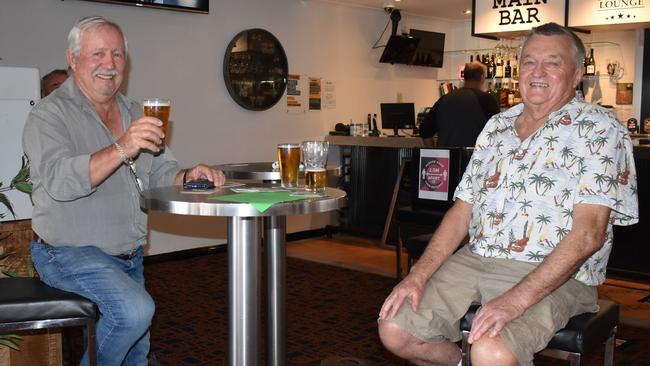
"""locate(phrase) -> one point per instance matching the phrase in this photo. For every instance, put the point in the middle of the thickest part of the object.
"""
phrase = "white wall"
(180, 55)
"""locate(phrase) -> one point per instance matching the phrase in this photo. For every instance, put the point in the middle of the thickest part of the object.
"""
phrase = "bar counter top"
(374, 141)
(640, 151)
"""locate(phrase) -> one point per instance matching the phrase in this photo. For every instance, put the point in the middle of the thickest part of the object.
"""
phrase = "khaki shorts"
(465, 278)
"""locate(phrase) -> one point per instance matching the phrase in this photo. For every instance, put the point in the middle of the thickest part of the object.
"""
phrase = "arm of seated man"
(449, 235)
(586, 237)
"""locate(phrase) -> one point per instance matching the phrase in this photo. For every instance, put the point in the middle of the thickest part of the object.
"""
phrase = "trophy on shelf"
(614, 70)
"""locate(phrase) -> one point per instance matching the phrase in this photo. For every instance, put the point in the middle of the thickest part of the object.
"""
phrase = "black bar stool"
(28, 303)
(581, 334)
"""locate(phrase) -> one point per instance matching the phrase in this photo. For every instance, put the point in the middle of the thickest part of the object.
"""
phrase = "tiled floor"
(365, 255)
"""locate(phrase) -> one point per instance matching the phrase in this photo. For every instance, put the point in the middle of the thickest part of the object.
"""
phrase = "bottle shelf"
(600, 44)
(474, 51)
(490, 80)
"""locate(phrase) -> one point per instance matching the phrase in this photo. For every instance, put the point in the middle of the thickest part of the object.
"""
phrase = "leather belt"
(124, 257)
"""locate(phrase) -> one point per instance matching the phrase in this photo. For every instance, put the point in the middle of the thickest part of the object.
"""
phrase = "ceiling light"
(467, 11)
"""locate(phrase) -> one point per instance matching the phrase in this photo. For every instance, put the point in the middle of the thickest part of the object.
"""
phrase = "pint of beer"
(315, 179)
(315, 158)
(289, 160)
(159, 108)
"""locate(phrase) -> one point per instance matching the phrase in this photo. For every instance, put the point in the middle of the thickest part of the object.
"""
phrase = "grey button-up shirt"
(61, 133)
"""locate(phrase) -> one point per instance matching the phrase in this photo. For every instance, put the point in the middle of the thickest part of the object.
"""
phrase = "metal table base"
(244, 262)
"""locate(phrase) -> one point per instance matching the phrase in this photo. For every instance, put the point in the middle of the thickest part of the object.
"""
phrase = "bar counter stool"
(28, 303)
(581, 334)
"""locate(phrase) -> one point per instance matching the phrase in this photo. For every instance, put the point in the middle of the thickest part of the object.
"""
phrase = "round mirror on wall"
(255, 69)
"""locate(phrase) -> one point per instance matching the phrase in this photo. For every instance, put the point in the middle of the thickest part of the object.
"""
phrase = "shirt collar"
(70, 90)
(565, 115)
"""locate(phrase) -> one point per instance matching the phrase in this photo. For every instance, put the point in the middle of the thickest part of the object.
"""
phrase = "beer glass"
(289, 160)
(159, 108)
(315, 158)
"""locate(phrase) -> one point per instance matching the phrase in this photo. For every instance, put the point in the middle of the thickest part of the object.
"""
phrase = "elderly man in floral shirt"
(547, 180)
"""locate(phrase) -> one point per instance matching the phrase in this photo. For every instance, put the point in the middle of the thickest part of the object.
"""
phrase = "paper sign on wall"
(296, 102)
(329, 94)
(433, 179)
(314, 93)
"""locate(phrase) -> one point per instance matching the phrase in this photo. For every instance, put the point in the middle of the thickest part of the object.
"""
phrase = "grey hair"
(554, 29)
(74, 37)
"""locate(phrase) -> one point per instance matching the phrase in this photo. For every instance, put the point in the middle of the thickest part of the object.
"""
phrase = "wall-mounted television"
(194, 6)
(419, 48)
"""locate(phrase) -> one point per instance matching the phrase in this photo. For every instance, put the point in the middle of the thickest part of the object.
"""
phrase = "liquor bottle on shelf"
(507, 71)
(503, 96)
(590, 64)
(515, 68)
(495, 92)
(471, 58)
(517, 97)
(492, 68)
(511, 96)
(498, 68)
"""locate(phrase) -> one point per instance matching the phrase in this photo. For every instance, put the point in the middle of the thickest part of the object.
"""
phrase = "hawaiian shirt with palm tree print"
(523, 192)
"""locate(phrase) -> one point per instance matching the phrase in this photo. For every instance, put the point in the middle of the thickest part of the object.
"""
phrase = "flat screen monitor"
(397, 116)
(399, 50)
(194, 6)
(431, 48)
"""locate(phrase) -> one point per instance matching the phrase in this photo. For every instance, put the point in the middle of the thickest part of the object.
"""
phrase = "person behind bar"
(52, 80)
(547, 180)
(82, 142)
(458, 117)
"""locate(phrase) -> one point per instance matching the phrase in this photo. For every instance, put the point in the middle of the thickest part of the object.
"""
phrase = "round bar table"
(262, 171)
(244, 261)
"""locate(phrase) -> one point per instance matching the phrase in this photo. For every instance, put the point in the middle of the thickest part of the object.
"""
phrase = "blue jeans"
(115, 285)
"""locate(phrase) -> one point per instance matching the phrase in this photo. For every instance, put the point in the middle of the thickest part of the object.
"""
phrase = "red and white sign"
(433, 180)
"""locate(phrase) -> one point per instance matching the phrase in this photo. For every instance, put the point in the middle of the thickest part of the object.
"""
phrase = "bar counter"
(374, 141)
(370, 168)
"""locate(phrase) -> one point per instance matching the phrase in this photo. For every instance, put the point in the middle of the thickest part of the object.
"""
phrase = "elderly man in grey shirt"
(91, 154)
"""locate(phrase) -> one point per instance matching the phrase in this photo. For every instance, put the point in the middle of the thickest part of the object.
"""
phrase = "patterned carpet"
(331, 311)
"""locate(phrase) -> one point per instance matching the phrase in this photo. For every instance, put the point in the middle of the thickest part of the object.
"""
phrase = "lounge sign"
(608, 12)
(496, 17)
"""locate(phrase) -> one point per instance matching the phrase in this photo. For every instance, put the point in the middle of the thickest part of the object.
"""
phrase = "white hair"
(74, 37)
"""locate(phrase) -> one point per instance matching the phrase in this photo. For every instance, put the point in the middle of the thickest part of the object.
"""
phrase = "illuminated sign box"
(589, 13)
(495, 18)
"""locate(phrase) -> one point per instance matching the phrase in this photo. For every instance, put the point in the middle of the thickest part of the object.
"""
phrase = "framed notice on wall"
(433, 176)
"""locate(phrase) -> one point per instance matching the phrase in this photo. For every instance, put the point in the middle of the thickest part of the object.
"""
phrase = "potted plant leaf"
(21, 183)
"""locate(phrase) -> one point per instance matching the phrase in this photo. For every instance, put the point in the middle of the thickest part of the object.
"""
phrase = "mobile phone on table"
(198, 185)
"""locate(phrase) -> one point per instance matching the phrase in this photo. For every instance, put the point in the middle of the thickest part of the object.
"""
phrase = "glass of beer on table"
(315, 158)
(289, 161)
(159, 108)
